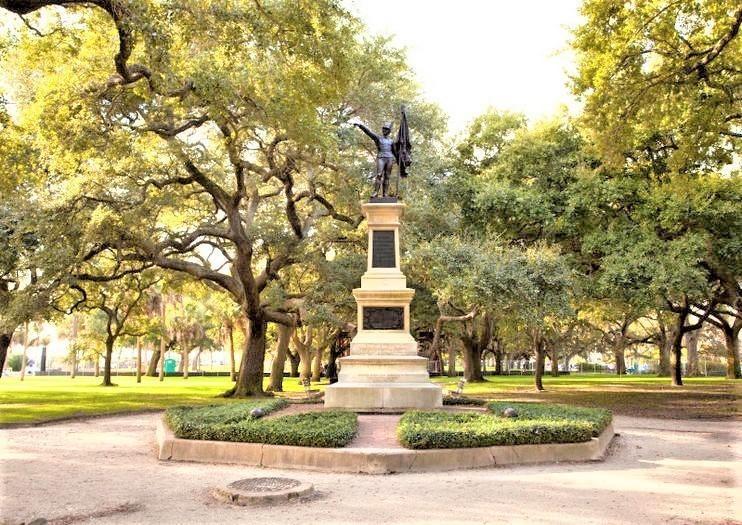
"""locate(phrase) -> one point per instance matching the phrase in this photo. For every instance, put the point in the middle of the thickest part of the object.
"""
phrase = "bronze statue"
(388, 152)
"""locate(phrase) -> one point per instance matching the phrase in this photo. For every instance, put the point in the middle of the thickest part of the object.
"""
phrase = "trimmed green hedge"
(463, 401)
(311, 429)
(598, 418)
(221, 414)
(535, 425)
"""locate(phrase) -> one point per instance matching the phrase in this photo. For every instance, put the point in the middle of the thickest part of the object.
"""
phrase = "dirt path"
(104, 471)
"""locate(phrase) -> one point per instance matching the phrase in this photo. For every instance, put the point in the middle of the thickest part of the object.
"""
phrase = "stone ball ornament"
(257, 413)
(510, 412)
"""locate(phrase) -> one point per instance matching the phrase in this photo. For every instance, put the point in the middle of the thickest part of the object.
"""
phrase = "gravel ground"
(104, 471)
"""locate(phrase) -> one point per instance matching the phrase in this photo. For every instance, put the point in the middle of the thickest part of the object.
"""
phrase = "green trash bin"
(170, 366)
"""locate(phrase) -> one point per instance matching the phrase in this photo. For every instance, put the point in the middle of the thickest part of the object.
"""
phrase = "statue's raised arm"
(368, 132)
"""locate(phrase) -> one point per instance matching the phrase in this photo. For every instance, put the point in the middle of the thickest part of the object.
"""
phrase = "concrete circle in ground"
(251, 491)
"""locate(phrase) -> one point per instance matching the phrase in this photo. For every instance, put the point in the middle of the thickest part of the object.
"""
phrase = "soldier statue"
(388, 152)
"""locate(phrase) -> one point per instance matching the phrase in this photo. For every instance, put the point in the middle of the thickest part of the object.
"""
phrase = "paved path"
(105, 471)
(376, 431)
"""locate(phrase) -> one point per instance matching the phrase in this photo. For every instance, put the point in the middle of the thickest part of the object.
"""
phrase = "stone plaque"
(383, 254)
(383, 318)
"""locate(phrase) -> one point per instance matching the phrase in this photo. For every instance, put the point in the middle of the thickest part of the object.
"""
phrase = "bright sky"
(472, 54)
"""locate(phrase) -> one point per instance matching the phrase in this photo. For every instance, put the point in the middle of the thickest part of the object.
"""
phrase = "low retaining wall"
(373, 460)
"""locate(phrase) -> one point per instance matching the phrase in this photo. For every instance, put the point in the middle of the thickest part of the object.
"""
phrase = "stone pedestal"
(383, 371)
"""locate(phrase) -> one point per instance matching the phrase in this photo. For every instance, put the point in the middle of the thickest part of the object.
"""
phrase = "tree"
(685, 54)
(485, 284)
(675, 160)
(118, 302)
(239, 127)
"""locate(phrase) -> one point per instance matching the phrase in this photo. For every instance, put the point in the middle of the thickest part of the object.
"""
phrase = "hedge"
(449, 399)
(598, 418)
(311, 429)
(536, 424)
(220, 414)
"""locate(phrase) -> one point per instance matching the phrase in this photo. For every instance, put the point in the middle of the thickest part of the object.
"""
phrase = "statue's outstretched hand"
(355, 121)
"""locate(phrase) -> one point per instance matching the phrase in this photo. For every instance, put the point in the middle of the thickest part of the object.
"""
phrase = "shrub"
(15, 362)
(598, 418)
(422, 430)
(311, 429)
(220, 414)
(463, 401)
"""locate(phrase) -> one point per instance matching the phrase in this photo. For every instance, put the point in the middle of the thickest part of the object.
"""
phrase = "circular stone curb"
(374, 460)
(254, 491)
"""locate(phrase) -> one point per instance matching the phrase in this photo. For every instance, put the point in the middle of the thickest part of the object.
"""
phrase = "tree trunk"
(96, 366)
(24, 359)
(152, 367)
(107, 363)
(540, 359)
(554, 358)
(619, 352)
(451, 361)
(279, 361)
(472, 361)
(163, 351)
(317, 365)
(499, 354)
(620, 355)
(566, 363)
(196, 364)
(75, 329)
(677, 353)
(305, 364)
(163, 341)
(232, 369)
(4, 345)
(731, 342)
(664, 368)
(184, 362)
(139, 359)
(691, 343)
(294, 360)
(250, 379)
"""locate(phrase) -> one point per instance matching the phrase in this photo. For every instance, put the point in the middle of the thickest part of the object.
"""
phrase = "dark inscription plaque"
(383, 318)
(382, 251)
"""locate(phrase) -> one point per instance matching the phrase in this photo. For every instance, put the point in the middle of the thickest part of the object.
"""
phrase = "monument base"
(383, 372)
(383, 397)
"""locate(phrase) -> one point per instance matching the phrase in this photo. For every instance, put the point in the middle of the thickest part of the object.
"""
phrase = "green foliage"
(232, 423)
(598, 418)
(487, 135)
(454, 400)
(220, 414)
(15, 362)
(658, 79)
(424, 430)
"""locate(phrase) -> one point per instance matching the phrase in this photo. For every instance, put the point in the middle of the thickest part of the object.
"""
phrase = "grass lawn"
(41, 398)
(45, 398)
(649, 396)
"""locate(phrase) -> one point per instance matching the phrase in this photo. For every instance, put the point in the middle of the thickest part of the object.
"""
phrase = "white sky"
(472, 54)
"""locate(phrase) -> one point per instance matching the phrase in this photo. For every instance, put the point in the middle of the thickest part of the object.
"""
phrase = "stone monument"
(383, 371)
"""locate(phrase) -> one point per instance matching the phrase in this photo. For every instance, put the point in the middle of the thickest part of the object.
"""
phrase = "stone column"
(383, 371)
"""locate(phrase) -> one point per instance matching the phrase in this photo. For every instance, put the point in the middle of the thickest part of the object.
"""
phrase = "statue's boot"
(377, 187)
